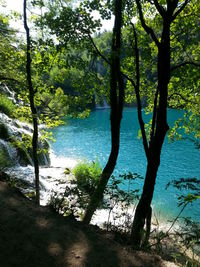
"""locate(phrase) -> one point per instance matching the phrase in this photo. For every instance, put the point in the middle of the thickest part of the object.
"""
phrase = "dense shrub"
(87, 176)
(6, 106)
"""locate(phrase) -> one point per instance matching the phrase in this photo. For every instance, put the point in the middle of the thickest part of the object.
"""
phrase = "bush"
(87, 175)
(6, 106)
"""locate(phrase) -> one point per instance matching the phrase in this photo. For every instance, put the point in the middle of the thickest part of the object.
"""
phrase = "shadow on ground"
(32, 236)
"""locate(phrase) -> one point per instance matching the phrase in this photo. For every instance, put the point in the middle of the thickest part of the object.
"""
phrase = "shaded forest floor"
(36, 236)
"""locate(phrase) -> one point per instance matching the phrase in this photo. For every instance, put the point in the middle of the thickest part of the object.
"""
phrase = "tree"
(81, 37)
(158, 49)
(32, 105)
(167, 14)
(116, 105)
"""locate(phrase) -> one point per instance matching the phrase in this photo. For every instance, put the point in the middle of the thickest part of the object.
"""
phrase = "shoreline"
(53, 179)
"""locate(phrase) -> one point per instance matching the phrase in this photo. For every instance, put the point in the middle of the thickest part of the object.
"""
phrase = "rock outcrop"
(15, 140)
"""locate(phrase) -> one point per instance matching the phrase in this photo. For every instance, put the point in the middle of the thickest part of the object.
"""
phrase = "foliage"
(120, 203)
(87, 176)
(24, 148)
(6, 106)
(51, 101)
(189, 235)
(78, 191)
(75, 69)
(59, 204)
(24, 142)
(68, 71)
(187, 127)
(11, 54)
(189, 232)
(183, 89)
(187, 184)
(67, 171)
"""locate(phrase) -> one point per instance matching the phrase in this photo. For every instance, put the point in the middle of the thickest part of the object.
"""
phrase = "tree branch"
(174, 221)
(108, 62)
(145, 26)
(182, 97)
(9, 79)
(98, 51)
(47, 105)
(137, 92)
(196, 64)
(10, 30)
(33, 12)
(159, 7)
(180, 9)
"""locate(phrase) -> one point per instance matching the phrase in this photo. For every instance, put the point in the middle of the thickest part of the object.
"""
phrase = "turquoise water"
(90, 139)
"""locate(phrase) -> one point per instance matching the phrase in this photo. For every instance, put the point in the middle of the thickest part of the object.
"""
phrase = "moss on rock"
(5, 160)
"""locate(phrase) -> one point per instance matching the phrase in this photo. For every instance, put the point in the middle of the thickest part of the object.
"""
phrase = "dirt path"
(32, 236)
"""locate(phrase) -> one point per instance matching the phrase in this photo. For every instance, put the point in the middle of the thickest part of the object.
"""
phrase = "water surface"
(90, 139)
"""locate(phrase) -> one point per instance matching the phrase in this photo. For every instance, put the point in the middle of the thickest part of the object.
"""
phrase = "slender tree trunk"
(144, 205)
(33, 108)
(153, 160)
(116, 105)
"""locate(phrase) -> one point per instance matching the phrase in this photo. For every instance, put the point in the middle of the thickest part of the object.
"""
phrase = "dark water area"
(90, 139)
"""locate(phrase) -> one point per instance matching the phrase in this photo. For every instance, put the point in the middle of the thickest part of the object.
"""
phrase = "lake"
(90, 139)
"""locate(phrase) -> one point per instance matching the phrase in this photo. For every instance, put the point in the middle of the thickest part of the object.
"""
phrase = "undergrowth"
(7, 106)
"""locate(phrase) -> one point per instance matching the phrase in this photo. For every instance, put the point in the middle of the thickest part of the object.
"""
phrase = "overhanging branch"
(108, 62)
(196, 64)
(98, 51)
(159, 7)
(186, 100)
(9, 79)
(145, 26)
(180, 9)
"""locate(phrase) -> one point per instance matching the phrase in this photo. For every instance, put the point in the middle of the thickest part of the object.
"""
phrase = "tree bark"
(159, 125)
(153, 160)
(116, 105)
(32, 105)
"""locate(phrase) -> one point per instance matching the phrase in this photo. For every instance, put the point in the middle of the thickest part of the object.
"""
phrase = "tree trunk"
(116, 105)
(144, 205)
(33, 108)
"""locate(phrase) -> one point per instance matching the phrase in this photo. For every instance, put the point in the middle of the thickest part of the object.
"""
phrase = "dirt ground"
(32, 236)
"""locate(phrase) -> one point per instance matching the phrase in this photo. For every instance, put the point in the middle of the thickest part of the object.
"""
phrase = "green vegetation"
(87, 176)
(7, 106)
(23, 148)
(151, 59)
(67, 171)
